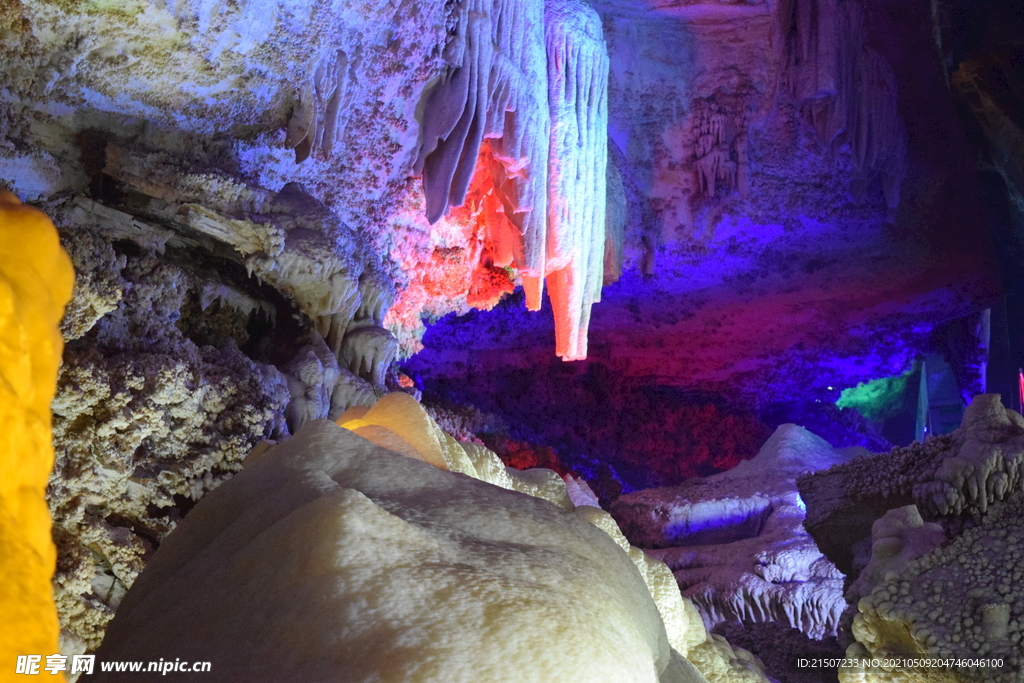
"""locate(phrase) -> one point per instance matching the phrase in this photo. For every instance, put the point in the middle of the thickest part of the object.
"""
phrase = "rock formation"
(736, 543)
(427, 574)
(952, 477)
(961, 601)
(919, 594)
(546, 115)
(156, 404)
(764, 150)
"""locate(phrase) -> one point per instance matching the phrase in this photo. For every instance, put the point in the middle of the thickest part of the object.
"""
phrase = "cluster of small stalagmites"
(889, 475)
(898, 537)
(961, 600)
(143, 418)
(950, 475)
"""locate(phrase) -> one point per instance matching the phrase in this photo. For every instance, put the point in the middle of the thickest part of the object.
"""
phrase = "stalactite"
(494, 88)
(615, 220)
(846, 89)
(532, 78)
(318, 118)
(368, 351)
(578, 98)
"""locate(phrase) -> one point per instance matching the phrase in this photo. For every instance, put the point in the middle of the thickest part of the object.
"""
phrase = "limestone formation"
(844, 88)
(463, 557)
(145, 419)
(898, 537)
(921, 595)
(950, 479)
(963, 600)
(288, 239)
(532, 76)
(238, 184)
(318, 119)
(736, 543)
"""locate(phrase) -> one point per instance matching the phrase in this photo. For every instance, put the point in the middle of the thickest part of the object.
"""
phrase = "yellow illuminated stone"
(36, 279)
(412, 432)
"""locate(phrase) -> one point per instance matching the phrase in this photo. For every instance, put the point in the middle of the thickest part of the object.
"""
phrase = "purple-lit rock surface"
(735, 541)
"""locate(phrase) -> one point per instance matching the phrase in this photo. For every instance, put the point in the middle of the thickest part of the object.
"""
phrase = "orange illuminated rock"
(407, 428)
(36, 279)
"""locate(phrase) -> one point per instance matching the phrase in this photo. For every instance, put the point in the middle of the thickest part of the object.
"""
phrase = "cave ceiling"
(802, 263)
(792, 200)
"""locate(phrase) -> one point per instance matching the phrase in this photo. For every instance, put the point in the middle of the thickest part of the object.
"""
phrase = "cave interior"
(746, 275)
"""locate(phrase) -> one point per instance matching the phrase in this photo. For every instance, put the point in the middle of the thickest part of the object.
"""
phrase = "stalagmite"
(443, 573)
(546, 115)
(735, 540)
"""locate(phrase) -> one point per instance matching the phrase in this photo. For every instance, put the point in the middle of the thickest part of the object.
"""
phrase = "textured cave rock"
(937, 575)
(736, 543)
(951, 479)
(145, 420)
(897, 537)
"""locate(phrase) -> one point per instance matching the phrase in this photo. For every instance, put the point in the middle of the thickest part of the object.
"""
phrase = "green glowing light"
(878, 399)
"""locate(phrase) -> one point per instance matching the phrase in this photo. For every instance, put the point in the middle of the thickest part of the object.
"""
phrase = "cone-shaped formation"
(578, 98)
(532, 77)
